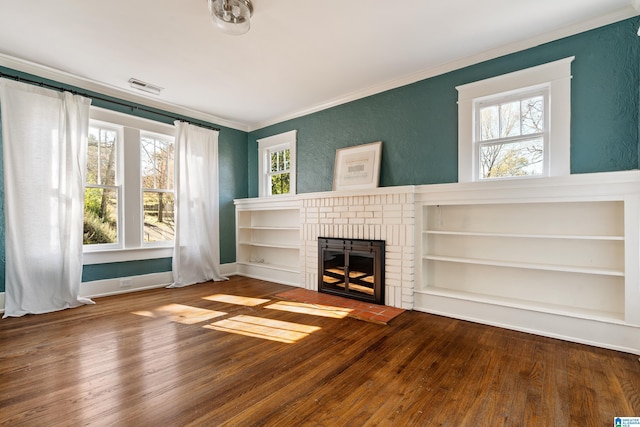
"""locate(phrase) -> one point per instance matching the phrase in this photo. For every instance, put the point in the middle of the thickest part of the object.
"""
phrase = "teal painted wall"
(232, 153)
(418, 122)
(125, 269)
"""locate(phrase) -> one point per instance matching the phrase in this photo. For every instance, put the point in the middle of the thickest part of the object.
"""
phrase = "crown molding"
(46, 72)
(601, 21)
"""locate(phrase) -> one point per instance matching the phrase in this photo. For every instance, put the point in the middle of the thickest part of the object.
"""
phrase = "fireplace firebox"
(352, 268)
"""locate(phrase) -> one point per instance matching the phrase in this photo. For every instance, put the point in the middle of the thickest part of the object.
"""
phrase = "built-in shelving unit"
(563, 256)
(557, 256)
(268, 239)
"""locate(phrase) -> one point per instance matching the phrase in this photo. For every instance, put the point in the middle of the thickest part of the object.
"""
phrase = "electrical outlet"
(125, 283)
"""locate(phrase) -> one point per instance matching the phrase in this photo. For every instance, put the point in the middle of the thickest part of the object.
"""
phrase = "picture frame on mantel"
(357, 167)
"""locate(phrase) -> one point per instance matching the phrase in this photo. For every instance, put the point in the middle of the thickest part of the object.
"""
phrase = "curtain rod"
(85, 94)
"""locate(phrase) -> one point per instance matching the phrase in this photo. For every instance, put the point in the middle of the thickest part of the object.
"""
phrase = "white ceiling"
(299, 55)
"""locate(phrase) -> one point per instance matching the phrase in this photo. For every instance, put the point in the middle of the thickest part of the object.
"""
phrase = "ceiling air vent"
(146, 87)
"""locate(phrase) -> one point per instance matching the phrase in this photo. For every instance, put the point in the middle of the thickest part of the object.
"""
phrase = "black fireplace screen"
(352, 268)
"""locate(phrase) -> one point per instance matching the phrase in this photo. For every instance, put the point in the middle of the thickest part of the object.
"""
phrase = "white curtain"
(44, 135)
(196, 254)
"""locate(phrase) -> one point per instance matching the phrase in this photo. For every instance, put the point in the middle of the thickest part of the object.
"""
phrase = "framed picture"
(357, 167)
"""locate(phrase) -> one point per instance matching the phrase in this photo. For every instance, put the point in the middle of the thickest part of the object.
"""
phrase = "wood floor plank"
(541, 377)
(218, 354)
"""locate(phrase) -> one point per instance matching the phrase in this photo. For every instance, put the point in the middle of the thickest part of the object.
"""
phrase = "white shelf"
(530, 266)
(523, 236)
(286, 268)
(271, 245)
(274, 228)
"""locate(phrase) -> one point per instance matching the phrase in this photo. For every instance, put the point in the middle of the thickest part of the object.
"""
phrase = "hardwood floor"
(223, 354)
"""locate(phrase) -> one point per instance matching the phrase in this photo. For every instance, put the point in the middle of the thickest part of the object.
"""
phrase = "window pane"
(158, 216)
(510, 119)
(533, 115)
(92, 159)
(518, 158)
(280, 183)
(100, 216)
(107, 157)
(157, 163)
(101, 156)
(489, 123)
(147, 165)
(280, 160)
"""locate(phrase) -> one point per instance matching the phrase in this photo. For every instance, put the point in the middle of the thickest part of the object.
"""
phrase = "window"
(277, 164)
(102, 190)
(516, 125)
(279, 174)
(511, 136)
(129, 190)
(157, 155)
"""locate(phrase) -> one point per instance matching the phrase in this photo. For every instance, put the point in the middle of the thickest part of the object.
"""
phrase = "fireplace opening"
(352, 268)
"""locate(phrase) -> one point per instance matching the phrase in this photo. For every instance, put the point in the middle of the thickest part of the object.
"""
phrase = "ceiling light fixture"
(145, 87)
(231, 16)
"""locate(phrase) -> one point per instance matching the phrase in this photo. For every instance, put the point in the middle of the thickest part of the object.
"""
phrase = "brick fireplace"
(386, 214)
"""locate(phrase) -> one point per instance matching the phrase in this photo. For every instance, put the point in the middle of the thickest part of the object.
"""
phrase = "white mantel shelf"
(293, 199)
(557, 257)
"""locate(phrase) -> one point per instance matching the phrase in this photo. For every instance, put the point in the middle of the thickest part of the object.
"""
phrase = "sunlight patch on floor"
(312, 309)
(269, 329)
(179, 313)
(235, 299)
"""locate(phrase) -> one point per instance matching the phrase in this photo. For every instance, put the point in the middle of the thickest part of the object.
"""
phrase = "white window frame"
(268, 145)
(131, 245)
(555, 77)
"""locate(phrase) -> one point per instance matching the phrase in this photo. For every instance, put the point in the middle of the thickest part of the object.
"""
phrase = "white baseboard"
(122, 285)
(613, 335)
